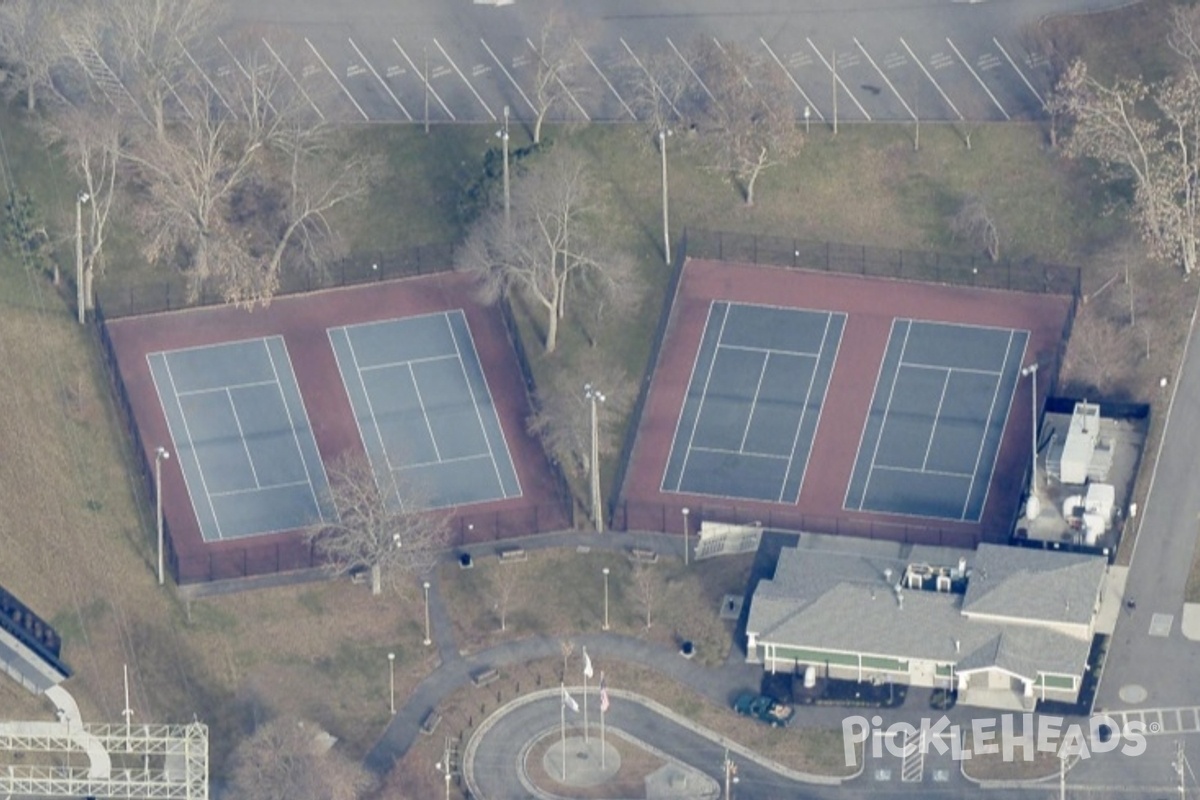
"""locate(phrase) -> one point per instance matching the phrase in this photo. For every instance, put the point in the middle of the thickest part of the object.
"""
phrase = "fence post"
(754, 249)
(827, 255)
(720, 246)
(795, 254)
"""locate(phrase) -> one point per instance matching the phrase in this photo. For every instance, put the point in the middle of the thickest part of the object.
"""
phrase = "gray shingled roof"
(1014, 582)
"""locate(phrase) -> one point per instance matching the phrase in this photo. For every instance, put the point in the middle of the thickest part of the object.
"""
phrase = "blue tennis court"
(424, 409)
(937, 417)
(753, 402)
(242, 437)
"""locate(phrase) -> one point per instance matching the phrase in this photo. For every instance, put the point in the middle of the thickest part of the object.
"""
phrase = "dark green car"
(765, 709)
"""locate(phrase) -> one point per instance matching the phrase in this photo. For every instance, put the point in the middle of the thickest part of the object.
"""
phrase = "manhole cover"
(1133, 693)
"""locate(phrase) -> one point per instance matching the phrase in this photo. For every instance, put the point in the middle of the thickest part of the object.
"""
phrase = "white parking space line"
(693, 72)
(607, 83)
(808, 102)
(917, 61)
(382, 82)
(557, 79)
(470, 86)
(975, 75)
(425, 81)
(838, 78)
(212, 86)
(886, 80)
(336, 80)
(1017, 69)
(653, 83)
(508, 74)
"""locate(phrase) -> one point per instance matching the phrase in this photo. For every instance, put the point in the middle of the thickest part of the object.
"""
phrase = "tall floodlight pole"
(807, 117)
(80, 296)
(662, 149)
(392, 682)
(686, 536)
(605, 571)
(1032, 505)
(503, 136)
(160, 455)
(428, 640)
(594, 396)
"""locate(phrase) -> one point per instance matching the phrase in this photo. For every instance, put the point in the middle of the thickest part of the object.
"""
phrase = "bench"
(431, 721)
(485, 677)
(643, 556)
(513, 554)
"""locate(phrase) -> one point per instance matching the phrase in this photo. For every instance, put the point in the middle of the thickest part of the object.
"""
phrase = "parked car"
(765, 709)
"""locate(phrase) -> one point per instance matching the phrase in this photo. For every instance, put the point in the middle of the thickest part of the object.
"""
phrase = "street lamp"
(80, 297)
(502, 135)
(686, 536)
(605, 571)
(594, 396)
(392, 682)
(160, 455)
(445, 770)
(428, 640)
(807, 116)
(662, 149)
(1032, 506)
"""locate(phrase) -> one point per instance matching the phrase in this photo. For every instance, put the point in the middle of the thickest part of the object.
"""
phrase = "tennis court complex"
(424, 410)
(753, 402)
(936, 420)
(242, 437)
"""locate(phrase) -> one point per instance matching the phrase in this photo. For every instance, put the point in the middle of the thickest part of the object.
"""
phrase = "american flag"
(603, 694)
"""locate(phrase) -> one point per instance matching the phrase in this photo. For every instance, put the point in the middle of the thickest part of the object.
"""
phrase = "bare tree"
(975, 223)
(30, 44)
(1098, 352)
(747, 120)
(384, 529)
(548, 246)
(566, 648)
(661, 90)
(645, 588)
(286, 759)
(557, 53)
(506, 586)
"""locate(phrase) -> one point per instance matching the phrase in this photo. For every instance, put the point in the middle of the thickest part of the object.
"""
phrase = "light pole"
(503, 136)
(160, 455)
(605, 571)
(686, 536)
(428, 640)
(807, 116)
(445, 770)
(392, 682)
(80, 297)
(662, 148)
(595, 396)
(1032, 506)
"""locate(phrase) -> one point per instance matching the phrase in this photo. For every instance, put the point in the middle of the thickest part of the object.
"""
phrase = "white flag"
(569, 701)
(587, 664)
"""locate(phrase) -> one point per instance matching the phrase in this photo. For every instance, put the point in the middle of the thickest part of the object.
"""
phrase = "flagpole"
(563, 713)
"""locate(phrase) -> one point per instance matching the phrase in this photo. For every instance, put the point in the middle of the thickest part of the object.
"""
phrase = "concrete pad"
(1189, 623)
(1160, 624)
(583, 767)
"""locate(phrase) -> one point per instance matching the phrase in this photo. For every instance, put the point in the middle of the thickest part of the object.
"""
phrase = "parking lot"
(394, 78)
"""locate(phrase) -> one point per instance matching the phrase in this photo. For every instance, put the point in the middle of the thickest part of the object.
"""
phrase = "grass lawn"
(561, 592)
(993, 766)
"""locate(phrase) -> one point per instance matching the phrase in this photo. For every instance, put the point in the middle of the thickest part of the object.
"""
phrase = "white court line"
(727, 452)
(475, 404)
(653, 83)
(421, 402)
(425, 80)
(662, 486)
(557, 79)
(445, 461)
(987, 423)
(703, 396)
(508, 75)
(967, 64)
(972, 370)
(212, 86)
(937, 415)
(862, 439)
(422, 360)
(370, 409)
(206, 390)
(292, 422)
(838, 78)
(1013, 64)
(887, 408)
(382, 82)
(1004, 427)
(491, 401)
(788, 73)
(336, 79)
(949, 102)
(812, 380)
(288, 72)
(287, 485)
(187, 430)
(688, 64)
(754, 402)
(470, 85)
(607, 83)
(941, 473)
(886, 80)
(752, 349)
(242, 435)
